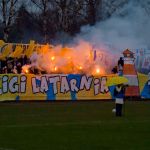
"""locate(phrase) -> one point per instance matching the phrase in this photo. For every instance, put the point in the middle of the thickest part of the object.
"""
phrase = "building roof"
(127, 51)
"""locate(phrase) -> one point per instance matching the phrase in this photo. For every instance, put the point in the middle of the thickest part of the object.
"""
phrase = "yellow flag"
(30, 49)
(6, 51)
(17, 53)
(1, 43)
(2, 57)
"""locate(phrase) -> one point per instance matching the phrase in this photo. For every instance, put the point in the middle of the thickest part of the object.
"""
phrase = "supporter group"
(15, 66)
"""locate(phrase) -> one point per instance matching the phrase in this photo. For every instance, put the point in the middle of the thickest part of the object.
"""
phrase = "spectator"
(19, 67)
(3, 63)
(4, 70)
(121, 62)
(9, 67)
(115, 70)
(120, 66)
(15, 70)
(120, 70)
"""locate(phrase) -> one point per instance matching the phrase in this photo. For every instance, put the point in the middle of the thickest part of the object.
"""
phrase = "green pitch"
(74, 126)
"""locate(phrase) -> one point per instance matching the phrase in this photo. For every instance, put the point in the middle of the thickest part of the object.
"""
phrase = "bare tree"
(43, 6)
(7, 14)
(69, 11)
(91, 7)
(63, 12)
(112, 6)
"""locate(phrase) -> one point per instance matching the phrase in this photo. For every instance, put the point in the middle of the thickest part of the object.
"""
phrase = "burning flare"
(25, 69)
(53, 58)
(97, 70)
(78, 59)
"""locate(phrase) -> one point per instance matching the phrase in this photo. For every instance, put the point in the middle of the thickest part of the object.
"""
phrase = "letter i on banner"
(96, 86)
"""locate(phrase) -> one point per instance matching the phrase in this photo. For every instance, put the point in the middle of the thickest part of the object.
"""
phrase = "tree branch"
(38, 5)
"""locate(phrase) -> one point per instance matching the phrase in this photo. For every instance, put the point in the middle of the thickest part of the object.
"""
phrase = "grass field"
(74, 126)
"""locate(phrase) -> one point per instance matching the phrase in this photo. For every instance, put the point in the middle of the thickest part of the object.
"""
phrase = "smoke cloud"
(127, 28)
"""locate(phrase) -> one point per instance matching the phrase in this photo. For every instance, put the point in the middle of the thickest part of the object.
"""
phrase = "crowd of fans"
(13, 65)
(16, 65)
